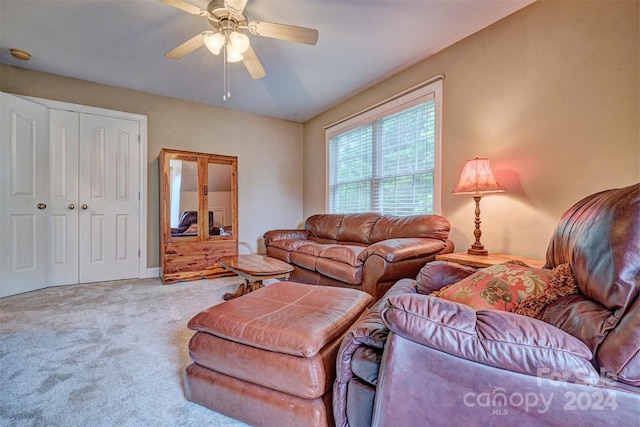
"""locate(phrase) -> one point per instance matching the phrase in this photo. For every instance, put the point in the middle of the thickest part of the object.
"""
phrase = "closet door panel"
(23, 195)
(63, 196)
(108, 197)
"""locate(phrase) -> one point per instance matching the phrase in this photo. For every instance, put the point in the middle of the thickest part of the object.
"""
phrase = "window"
(387, 159)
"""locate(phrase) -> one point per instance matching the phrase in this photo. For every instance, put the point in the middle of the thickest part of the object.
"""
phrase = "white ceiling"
(123, 42)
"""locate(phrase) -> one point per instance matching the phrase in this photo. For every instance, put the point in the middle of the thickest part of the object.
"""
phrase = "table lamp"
(477, 179)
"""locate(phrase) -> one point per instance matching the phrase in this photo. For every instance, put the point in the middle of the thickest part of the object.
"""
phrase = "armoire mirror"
(199, 219)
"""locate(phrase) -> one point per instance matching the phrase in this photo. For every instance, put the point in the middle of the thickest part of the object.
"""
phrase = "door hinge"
(138, 195)
(138, 253)
(139, 139)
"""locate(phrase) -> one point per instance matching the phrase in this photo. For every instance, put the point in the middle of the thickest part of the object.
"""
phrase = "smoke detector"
(20, 54)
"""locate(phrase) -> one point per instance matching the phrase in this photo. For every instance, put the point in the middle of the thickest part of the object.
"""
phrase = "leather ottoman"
(268, 357)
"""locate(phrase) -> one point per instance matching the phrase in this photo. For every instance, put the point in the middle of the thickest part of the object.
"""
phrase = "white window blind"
(386, 160)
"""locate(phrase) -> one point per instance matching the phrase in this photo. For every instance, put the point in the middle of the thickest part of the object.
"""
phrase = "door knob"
(41, 206)
(71, 206)
(84, 207)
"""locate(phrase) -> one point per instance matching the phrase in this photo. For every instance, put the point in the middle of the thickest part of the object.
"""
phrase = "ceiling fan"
(229, 20)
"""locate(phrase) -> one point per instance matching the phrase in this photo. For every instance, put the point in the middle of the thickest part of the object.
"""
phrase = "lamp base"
(477, 250)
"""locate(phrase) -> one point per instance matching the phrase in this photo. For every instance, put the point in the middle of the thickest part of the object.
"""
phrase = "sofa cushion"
(491, 337)
(303, 260)
(365, 364)
(314, 249)
(356, 228)
(324, 225)
(288, 244)
(499, 287)
(347, 254)
(339, 271)
(392, 227)
(278, 253)
(307, 255)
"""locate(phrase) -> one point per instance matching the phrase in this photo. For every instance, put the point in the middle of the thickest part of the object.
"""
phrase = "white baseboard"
(153, 272)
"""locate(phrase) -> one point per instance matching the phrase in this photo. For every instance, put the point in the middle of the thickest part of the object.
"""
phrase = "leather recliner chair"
(416, 359)
(189, 218)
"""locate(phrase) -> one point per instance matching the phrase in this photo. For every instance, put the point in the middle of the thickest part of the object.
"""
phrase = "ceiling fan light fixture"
(214, 42)
(232, 54)
(229, 20)
(239, 41)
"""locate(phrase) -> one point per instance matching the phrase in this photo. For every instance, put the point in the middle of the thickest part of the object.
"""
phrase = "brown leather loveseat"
(365, 251)
(416, 359)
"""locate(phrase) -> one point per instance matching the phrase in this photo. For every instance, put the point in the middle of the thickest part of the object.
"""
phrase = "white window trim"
(387, 107)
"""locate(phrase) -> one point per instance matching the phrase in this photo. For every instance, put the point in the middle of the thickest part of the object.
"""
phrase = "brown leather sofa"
(416, 359)
(368, 251)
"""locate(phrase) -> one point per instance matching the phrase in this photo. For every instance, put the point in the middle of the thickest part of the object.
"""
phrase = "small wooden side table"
(254, 269)
(482, 261)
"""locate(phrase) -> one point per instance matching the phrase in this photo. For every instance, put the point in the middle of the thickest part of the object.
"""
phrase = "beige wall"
(550, 94)
(269, 150)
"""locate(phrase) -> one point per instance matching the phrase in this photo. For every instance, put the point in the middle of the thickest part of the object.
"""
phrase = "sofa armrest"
(272, 235)
(369, 331)
(495, 338)
(438, 274)
(393, 250)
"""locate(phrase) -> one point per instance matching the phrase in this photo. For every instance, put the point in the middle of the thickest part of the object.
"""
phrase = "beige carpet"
(103, 354)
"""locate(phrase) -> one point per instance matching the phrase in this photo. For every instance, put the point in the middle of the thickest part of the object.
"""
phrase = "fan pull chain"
(228, 80)
(225, 77)
(224, 74)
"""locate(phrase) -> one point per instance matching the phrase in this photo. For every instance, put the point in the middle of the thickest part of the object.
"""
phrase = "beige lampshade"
(477, 178)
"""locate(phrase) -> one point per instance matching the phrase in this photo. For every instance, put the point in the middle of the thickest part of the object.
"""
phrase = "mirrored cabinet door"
(183, 197)
(220, 199)
(198, 213)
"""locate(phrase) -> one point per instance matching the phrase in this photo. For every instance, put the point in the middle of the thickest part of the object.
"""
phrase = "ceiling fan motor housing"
(221, 18)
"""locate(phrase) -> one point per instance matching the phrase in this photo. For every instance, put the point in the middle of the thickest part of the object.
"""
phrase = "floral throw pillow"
(499, 287)
(563, 285)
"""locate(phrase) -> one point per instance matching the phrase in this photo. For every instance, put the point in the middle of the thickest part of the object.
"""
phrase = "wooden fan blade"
(284, 32)
(253, 64)
(188, 46)
(189, 8)
(235, 6)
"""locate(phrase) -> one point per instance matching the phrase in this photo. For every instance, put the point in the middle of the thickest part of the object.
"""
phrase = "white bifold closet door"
(23, 195)
(95, 208)
(72, 199)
